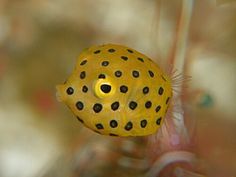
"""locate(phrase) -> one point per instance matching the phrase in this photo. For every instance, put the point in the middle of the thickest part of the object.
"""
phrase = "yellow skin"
(107, 93)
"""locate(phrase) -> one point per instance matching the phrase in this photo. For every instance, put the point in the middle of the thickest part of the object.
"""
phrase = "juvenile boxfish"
(117, 91)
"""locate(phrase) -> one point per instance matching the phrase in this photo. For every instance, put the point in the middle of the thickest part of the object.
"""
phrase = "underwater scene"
(128, 88)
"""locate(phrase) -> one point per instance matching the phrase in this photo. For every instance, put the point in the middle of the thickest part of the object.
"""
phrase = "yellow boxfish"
(117, 91)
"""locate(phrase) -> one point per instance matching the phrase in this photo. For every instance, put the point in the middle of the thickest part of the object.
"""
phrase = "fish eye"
(103, 88)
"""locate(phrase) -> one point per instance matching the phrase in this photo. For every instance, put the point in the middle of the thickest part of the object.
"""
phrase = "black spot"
(79, 119)
(158, 121)
(105, 88)
(113, 123)
(70, 91)
(128, 126)
(140, 59)
(123, 89)
(115, 105)
(163, 78)
(101, 76)
(148, 104)
(82, 75)
(151, 73)
(158, 108)
(145, 90)
(83, 62)
(143, 123)
(97, 51)
(160, 91)
(105, 63)
(112, 134)
(118, 73)
(133, 105)
(135, 74)
(167, 100)
(130, 51)
(84, 88)
(79, 105)
(124, 58)
(97, 107)
(111, 50)
(99, 126)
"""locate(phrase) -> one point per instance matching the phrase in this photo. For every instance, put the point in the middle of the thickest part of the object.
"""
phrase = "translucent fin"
(173, 132)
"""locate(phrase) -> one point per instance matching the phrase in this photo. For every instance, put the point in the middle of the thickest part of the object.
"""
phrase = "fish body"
(117, 91)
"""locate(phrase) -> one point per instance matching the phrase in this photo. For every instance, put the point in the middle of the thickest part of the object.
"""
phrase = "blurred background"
(39, 44)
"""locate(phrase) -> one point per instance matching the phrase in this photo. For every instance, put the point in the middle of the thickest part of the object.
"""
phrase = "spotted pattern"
(145, 90)
(123, 89)
(148, 104)
(139, 93)
(79, 105)
(129, 126)
(151, 74)
(97, 51)
(135, 74)
(113, 123)
(101, 76)
(105, 63)
(133, 105)
(158, 108)
(124, 58)
(118, 73)
(99, 126)
(97, 107)
(111, 50)
(160, 91)
(84, 89)
(83, 62)
(158, 121)
(167, 100)
(115, 105)
(140, 59)
(130, 51)
(143, 123)
(70, 91)
(82, 75)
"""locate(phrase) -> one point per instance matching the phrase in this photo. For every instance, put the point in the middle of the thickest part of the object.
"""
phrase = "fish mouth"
(59, 93)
